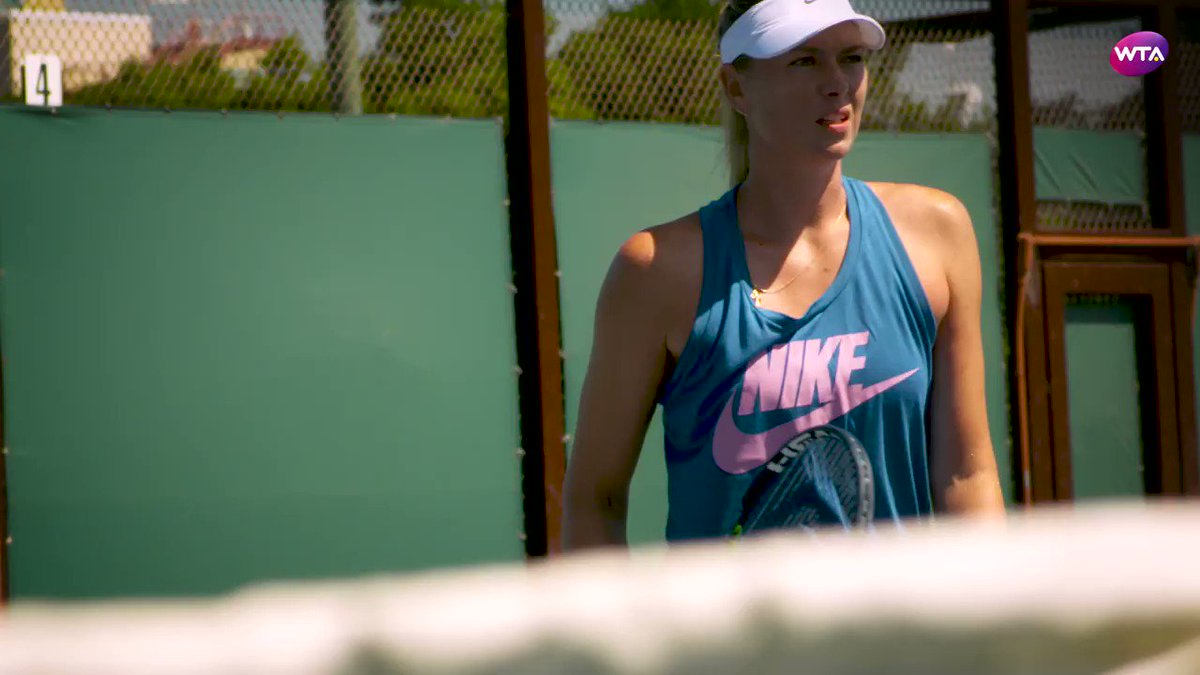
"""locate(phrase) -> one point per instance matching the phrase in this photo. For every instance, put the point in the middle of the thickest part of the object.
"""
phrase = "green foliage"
(674, 10)
(566, 101)
(437, 60)
(453, 5)
(308, 92)
(634, 68)
(287, 81)
(198, 82)
(447, 57)
(655, 60)
(286, 58)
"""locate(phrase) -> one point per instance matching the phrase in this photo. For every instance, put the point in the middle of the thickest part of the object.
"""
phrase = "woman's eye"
(804, 61)
(854, 58)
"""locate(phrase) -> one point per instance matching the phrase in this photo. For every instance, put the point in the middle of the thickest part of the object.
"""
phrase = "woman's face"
(808, 100)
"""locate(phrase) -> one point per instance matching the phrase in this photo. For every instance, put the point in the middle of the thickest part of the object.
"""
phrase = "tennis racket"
(822, 477)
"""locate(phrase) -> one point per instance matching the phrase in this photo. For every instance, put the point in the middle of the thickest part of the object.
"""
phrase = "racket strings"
(836, 468)
(803, 467)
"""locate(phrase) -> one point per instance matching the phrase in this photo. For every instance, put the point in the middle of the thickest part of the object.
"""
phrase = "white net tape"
(1107, 589)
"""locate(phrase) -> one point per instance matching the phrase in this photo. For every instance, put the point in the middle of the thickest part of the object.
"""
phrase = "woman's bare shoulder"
(937, 234)
(659, 270)
(664, 254)
(929, 210)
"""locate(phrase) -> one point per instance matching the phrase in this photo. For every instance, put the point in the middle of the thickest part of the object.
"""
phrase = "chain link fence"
(1073, 87)
(1071, 84)
(428, 57)
(1189, 70)
(657, 61)
(937, 72)
(654, 60)
(651, 61)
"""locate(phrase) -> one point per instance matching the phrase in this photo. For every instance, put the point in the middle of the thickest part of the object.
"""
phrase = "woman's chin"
(837, 150)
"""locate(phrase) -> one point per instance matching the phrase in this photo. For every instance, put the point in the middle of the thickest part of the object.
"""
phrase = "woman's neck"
(777, 203)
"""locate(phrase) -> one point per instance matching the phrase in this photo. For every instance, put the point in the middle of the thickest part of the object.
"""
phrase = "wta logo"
(1138, 53)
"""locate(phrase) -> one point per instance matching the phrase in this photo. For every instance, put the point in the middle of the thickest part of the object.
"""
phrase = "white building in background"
(91, 46)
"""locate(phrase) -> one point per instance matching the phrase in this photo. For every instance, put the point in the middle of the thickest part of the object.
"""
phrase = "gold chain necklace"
(756, 293)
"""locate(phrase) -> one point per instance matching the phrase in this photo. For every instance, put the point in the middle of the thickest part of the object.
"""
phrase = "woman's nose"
(834, 81)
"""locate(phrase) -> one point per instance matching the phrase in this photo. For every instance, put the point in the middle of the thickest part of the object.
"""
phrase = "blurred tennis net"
(1111, 588)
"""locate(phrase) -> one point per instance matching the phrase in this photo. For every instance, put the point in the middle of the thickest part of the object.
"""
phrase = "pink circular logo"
(1138, 53)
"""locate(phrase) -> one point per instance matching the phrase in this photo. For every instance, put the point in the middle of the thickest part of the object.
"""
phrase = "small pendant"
(756, 296)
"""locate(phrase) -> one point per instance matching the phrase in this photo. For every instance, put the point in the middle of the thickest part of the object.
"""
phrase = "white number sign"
(43, 80)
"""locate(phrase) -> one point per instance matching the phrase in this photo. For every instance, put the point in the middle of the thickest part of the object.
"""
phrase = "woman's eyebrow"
(814, 50)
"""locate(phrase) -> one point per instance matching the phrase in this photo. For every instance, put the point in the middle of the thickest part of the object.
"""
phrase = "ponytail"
(737, 142)
(737, 134)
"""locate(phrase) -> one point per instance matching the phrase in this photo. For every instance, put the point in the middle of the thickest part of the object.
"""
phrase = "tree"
(654, 61)
(287, 81)
(197, 82)
(438, 57)
(447, 57)
(675, 10)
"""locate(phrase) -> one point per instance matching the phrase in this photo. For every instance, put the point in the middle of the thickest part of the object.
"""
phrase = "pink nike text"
(794, 375)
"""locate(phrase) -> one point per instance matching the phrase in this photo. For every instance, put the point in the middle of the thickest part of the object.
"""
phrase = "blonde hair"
(737, 142)
(737, 134)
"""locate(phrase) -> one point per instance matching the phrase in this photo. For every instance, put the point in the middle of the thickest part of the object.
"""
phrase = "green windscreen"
(243, 347)
(1090, 166)
(960, 164)
(1104, 411)
(612, 180)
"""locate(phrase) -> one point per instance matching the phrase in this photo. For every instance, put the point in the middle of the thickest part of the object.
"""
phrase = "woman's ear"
(731, 83)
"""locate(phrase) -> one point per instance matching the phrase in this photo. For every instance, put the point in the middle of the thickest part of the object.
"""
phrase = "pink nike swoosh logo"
(737, 452)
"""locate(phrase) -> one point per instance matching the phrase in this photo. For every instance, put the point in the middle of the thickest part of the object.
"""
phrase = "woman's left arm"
(964, 476)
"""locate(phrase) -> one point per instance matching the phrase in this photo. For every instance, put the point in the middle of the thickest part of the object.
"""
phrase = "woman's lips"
(839, 122)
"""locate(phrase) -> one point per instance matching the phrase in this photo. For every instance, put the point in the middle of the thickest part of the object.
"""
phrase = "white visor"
(772, 27)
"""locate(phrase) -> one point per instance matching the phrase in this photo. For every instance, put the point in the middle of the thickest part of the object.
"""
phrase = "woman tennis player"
(806, 332)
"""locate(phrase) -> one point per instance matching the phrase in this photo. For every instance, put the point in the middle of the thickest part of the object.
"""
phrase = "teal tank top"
(749, 380)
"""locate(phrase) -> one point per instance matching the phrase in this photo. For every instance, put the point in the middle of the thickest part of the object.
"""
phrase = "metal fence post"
(535, 275)
(341, 45)
(1018, 214)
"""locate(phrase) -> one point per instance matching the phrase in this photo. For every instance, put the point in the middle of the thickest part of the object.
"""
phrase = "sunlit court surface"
(639, 337)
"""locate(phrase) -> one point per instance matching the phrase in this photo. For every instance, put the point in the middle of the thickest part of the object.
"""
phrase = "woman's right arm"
(627, 366)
